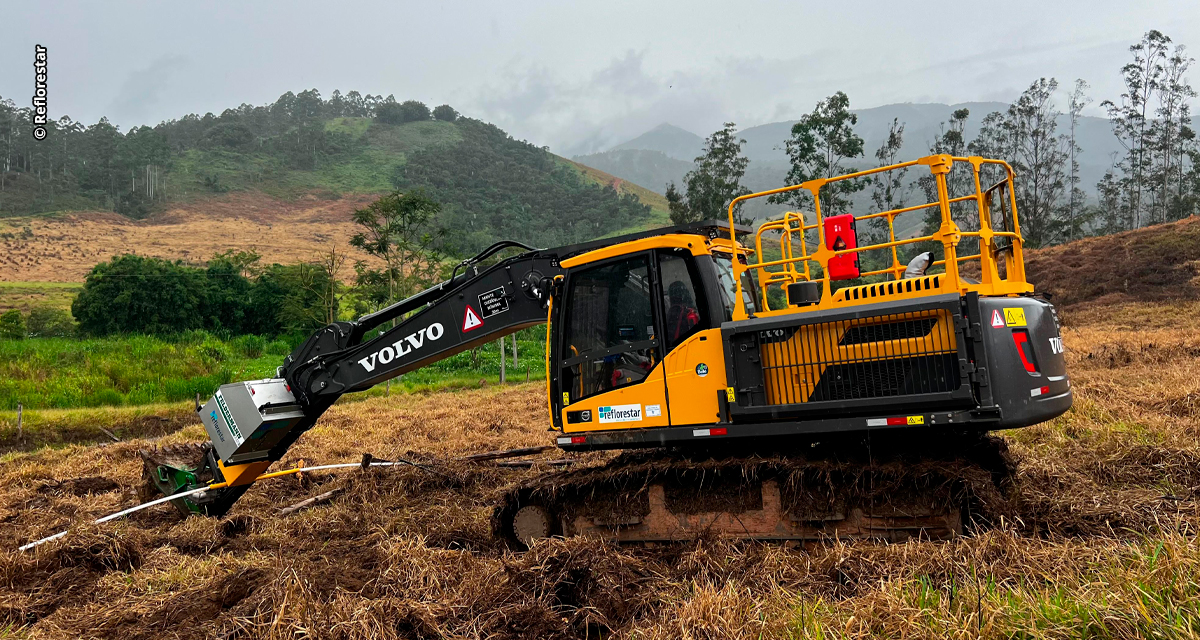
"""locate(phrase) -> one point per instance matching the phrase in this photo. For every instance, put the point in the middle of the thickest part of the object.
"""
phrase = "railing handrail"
(949, 235)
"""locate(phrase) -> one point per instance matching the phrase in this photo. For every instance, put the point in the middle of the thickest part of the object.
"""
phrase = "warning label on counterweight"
(492, 302)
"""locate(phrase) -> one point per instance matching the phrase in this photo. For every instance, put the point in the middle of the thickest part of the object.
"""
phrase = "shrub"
(214, 350)
(48, 322)
(104, 397)
(132, 294)
(12, 325)
(445, 113)
(249, 346)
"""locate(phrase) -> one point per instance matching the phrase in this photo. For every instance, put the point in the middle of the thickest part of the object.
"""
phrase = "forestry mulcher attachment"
(827, 378)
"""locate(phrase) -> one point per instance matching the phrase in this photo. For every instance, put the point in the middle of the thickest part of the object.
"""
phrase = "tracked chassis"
(891, 488)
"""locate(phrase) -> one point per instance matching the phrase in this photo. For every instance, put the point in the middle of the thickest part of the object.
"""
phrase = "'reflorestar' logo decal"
(217, 426)
(621, 413)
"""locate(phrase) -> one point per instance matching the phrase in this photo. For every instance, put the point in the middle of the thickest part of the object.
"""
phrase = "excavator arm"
(252, 424)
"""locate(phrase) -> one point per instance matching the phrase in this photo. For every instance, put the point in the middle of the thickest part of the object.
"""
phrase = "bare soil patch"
(64, 248)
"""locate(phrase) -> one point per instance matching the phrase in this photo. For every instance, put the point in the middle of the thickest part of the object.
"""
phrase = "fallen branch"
(510, 453)
(525, 464)
(110, 434)
(304, 504)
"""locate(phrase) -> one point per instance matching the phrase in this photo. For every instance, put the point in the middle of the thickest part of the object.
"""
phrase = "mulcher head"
(176, 468)
(172, 469)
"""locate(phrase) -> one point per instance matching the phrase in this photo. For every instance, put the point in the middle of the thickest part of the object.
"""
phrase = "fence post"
(526, 373)
(503, 357)
(514, 352)
(20, 433)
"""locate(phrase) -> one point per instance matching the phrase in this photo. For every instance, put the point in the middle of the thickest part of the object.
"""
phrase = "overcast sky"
(575, 76)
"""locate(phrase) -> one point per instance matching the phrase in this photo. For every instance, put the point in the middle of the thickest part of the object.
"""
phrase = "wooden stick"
(303, 504)
(525, 464)
(110, 434)
(510, 453)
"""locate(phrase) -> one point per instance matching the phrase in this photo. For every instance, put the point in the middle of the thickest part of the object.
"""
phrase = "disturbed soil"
(64, 248)
(1097, 533)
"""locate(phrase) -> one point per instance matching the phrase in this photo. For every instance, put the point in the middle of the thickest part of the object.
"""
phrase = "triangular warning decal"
(471, 320)
(997, 319)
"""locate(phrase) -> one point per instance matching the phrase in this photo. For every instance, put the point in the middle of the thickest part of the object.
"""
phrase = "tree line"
(1156, 180)
(233, 294)
(492, 185)
(99, 166)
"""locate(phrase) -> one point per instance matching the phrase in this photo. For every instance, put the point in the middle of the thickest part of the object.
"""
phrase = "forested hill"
(491, 185)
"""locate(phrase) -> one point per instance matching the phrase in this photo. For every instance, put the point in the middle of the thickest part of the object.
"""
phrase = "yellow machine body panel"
(695, 375)
(669, 241)
(637, 406)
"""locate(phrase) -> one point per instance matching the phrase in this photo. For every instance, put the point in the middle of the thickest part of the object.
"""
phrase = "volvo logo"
(402, 347)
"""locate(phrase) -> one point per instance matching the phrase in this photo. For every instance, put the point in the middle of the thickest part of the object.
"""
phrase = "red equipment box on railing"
(840, 235)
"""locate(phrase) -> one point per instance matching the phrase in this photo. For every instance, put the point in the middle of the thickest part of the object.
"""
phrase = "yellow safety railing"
(995, 238)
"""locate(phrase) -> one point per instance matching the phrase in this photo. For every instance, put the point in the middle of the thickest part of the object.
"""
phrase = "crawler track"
(890, 488)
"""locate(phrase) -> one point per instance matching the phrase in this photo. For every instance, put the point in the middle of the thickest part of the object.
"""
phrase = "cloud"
(577, 115)
(142, 90)
(628, 94)
(614, 103)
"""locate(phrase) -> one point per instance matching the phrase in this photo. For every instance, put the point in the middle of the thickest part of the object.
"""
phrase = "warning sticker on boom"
(470, 320)
(493, 302)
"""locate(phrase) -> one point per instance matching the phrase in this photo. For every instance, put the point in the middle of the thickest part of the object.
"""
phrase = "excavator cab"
(623, 331)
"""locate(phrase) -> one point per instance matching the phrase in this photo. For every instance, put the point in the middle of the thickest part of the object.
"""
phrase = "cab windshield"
(724, 262)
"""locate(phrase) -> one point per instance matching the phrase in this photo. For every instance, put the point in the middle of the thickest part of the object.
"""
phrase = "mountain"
(768, 160)
(490, 185)
(670, 140)
(922, 124)
(654, 169)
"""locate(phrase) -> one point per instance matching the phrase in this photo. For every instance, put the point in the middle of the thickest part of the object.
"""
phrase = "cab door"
(694, 366)
(610, 350)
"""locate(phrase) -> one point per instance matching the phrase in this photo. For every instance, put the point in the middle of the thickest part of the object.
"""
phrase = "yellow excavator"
(774, 384)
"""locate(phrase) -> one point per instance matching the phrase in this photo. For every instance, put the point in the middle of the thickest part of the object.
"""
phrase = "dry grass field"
(64, 248)
(1097, 537)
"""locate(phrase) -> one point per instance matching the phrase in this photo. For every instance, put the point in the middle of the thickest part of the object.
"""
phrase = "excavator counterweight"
(728, 355)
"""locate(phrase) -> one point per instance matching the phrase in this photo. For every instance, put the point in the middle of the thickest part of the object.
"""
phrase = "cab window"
(728, 288)
(610, 339)
(683, 307)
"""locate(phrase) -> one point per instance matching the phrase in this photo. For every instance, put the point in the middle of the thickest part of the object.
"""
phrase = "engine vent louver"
(884, 356)
(888, 331)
